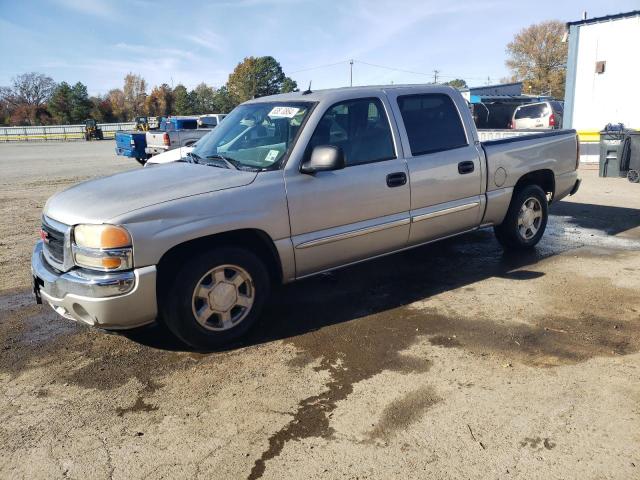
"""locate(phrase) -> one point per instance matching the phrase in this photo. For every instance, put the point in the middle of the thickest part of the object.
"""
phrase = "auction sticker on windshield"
(271, 156)
(288, 112)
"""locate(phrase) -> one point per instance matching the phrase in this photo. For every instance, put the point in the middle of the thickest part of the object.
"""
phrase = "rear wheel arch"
(543, 178)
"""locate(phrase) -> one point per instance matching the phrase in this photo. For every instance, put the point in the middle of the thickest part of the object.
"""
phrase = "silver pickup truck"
(287, 187)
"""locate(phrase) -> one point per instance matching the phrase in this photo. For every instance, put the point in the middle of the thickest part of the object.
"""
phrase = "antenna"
(308, 90)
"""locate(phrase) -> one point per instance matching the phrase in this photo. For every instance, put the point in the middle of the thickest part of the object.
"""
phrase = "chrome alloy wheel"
(529, 218)
(223, 297)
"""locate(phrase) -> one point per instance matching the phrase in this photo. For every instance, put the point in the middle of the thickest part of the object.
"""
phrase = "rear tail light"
(165, 140)
(552, 120)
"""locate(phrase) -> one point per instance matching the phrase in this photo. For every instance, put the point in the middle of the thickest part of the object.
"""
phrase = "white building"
(603, 72)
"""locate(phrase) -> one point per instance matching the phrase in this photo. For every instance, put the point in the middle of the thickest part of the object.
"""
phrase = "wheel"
(215, 297)
(633, 176)
(141, 161)
(526, 219)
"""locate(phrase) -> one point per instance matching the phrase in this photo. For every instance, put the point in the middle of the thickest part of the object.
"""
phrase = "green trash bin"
(611, 144)
(631, 155)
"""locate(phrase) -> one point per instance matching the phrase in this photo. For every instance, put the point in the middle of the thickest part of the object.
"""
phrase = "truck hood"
(97, 201)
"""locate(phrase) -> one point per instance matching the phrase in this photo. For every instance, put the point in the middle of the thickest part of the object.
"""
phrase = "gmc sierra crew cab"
(289, 186)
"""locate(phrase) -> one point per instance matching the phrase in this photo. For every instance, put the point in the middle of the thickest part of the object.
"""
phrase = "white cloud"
(208, 39)
(145, 50)
(99, 8)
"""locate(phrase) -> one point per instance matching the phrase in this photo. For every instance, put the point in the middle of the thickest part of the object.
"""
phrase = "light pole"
(351, 72)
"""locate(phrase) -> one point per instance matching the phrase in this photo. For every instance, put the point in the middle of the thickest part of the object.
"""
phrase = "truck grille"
(53, 242)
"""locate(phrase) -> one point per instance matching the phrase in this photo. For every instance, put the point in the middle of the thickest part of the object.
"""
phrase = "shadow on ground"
(373, 287)
(398, 280)
(611, 220)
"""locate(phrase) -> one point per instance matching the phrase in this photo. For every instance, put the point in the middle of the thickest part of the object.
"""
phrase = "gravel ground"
(449, 361)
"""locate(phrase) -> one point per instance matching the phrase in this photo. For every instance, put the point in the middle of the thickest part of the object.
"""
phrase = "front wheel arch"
(255, 240)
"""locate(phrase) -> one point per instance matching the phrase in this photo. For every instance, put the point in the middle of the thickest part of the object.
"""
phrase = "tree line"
(36, 99)
(537, 56)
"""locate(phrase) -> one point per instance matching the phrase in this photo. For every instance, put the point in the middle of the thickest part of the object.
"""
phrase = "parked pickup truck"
(287, 187)
(174, 132)
(132, 144)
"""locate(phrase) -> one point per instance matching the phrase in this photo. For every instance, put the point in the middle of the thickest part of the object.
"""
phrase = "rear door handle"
(396, 179)
(466, 167)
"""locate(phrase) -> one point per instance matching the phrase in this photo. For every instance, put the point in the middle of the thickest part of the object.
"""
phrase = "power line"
(470, 77)
(320, 66)
(392, 68)
(435, 74)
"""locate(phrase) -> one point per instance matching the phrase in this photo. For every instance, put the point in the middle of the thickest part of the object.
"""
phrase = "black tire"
(177, 305)
(141, 161)
(509, 233)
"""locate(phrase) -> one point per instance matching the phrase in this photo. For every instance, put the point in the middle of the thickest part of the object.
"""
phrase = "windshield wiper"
(230, 161)
(193, 157)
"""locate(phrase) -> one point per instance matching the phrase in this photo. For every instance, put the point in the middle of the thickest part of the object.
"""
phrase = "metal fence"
(58, 132)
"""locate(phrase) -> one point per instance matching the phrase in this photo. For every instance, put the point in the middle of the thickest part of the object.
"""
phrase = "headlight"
(102, 247)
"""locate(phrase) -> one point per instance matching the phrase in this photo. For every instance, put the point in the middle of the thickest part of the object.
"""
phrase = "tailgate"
(154, 138)
(123, 140)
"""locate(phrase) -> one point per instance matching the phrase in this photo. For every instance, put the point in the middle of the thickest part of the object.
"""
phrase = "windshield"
(254, 136)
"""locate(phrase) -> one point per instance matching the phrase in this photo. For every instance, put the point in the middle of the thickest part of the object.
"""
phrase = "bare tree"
(28, 94)
(538, 57)
(32, 89)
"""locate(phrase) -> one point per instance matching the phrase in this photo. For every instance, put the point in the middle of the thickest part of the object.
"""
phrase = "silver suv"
(538, 115)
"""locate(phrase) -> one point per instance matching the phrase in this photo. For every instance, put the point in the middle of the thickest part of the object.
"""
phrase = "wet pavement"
(453, 360)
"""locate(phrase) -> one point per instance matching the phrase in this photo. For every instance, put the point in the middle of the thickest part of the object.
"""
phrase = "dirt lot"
(450, 361)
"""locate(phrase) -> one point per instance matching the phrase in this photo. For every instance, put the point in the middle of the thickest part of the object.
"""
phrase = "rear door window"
(432, 122)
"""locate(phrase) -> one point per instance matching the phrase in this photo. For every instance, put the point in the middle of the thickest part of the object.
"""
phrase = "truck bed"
(510, 158)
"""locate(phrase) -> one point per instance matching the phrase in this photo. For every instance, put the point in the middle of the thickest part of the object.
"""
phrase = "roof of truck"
(336, 94)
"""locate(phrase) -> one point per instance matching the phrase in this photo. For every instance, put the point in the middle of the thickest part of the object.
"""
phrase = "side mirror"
(323, 159)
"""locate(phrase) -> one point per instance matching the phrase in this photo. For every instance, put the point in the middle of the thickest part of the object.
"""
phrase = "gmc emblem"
(44, 236)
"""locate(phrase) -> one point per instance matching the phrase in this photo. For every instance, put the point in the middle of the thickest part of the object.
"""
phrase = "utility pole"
(351, 72)
(488, 80)
(435, 76)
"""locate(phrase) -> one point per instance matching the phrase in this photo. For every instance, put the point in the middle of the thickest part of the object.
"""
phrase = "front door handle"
(396, 179)
(466, 167)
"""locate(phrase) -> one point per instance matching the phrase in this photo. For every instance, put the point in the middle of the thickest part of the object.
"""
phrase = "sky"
(98, 42)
